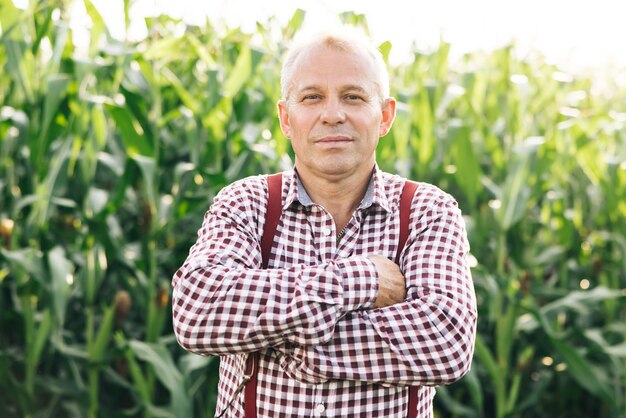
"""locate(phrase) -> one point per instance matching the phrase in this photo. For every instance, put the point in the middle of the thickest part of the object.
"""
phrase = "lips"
(333, 139)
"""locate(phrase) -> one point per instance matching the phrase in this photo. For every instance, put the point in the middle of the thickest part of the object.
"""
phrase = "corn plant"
(110, 155)
(529, 151)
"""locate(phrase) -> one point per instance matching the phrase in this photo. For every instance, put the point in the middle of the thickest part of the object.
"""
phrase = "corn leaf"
(130, 131)
(239, 74)
(167, 372)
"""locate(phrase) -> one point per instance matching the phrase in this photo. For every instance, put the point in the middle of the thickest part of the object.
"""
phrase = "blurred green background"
(109, 158)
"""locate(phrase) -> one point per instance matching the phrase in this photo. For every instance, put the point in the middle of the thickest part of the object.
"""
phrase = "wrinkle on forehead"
(308, 58)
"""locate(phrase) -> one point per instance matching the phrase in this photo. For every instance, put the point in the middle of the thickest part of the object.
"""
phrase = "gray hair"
(343, 38)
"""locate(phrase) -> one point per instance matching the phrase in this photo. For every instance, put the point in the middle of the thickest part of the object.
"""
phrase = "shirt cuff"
(360, 283)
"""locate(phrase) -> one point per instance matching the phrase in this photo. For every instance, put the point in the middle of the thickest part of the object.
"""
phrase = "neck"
(340, 195)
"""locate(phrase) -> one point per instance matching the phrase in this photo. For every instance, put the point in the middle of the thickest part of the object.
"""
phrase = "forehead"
(325, 66)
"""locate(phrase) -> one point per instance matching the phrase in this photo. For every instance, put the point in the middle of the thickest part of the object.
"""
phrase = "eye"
(353, 97)
(311, 97)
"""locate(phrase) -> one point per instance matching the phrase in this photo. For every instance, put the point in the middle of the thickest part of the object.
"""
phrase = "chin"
(337, 170)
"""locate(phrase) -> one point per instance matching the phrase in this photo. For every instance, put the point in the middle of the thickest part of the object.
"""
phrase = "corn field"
(110, 155)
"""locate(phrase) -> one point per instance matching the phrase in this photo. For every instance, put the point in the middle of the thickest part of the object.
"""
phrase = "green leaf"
(159, 412)
(41, 336)
(98, 27)
(164, 49)
(148, 168)
(456, 407)
(505, 335)
(185, 96)
(535, 319)
(581, 301)
(35, 347)
(45, 189)
(56, 92)
(61, 273)
(127, 4)
(516, 190)
(423, 124)
(468, 172)
(484, 355)
(295, 23)
(583, 371)
(385, 50)
(60, 42)
(200, 50)
(130, 131)
(472, 380)
(99, 130)
(191, 362)
(240, 73)
(103, 337)
(28, 260)
(9, 20)
(165, 369)
(19, 63)
(618, 350)
(218, 118)
(42, 29)
(96, 201)
(141, 385)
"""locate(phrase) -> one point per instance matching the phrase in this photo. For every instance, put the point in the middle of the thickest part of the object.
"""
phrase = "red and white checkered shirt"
(324, 351)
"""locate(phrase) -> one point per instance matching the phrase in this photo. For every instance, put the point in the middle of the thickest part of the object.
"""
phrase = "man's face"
(334, 115)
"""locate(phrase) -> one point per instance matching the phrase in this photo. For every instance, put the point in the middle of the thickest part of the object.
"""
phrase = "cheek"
(299, 123)
(371, 122)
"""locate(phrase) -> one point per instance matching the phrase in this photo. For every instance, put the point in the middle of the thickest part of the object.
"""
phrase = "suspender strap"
(274, 206)
(412, 410)
(272, 217)
(406, 198)
(274, 183)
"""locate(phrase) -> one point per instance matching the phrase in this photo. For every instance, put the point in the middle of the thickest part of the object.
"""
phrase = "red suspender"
(274, 209)
(406, 198)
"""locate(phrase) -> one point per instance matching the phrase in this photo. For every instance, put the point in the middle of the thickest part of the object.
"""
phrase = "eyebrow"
(348, 87)
(354, 87)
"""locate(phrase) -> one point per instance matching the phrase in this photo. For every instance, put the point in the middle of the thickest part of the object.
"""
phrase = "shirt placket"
(324, 233)
(319, 406)
(350, 237)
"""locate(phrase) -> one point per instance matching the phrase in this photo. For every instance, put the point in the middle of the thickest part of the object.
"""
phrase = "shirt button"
(320, 408)
(327, 231)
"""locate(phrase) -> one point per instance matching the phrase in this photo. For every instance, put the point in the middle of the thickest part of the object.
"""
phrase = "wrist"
(359, 281)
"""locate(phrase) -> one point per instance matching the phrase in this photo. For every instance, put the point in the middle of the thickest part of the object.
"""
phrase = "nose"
(333, 112)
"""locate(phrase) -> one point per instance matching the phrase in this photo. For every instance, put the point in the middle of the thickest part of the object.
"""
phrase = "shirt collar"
(374, 195)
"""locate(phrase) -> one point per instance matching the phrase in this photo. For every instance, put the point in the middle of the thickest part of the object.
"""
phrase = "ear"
(388, 115)
(283, 118)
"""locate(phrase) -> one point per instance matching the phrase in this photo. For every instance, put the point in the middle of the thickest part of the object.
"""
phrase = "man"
(341, 330)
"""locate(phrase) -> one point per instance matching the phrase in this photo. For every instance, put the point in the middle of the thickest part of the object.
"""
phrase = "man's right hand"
(391, 282)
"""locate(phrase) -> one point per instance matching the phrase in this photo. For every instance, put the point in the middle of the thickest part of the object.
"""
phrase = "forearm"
(429, 338)
(225, 310)
(425, 342)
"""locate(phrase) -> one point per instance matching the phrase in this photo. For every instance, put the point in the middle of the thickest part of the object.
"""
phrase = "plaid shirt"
(324, 351)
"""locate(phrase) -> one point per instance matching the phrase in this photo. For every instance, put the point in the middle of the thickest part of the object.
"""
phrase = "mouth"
(333, 139)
